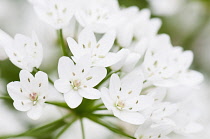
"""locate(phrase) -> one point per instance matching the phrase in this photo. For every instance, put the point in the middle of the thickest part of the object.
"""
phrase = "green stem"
(106, 78)
(50, 80)
(82, 127)
(109, 126)
(5, 97)
(59, 104)
(35, 131)
(62, 41)
(65, 128)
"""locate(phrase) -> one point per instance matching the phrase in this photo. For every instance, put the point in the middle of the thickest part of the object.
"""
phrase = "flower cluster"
(115, 57)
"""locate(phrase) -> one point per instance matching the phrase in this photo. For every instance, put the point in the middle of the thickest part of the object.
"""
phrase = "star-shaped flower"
(123, 98)
(166, 66)
(24, 52)
(77, 80)
(154, 131)
(57, 13)
(30, 93)
(97, 51)
(99, 15)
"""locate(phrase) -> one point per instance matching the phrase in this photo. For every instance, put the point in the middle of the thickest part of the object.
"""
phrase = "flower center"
(34, 97)
(76, 84)
(120, 104)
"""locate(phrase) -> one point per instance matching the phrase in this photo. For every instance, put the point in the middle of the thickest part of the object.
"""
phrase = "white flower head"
(123, 98)
(98, 51)
(56, 13)
(99, 15)
(156, 131)
(30, 93)
(168, 66)
(77, 80)
(24, 52)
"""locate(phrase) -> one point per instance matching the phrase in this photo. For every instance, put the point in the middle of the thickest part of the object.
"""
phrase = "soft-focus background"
(186, 21)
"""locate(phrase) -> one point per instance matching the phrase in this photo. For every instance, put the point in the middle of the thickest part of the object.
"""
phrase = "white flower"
(77, 81)
(130, 56)
(168, 66)
(30, 93)
(98, 51)
(57, 13)
(99, 15)
(161, 111)
(157, 131)
(123, 98)
(136, 25)
(24, 52)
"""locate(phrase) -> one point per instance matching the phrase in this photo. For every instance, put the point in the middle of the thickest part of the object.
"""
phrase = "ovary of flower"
(30, 93)
(24, 52)
(97, 51)
(124, 100)
(167, 66)
(57, 13)
(77, 80)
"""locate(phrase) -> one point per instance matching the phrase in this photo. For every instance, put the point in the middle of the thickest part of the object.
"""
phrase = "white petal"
(65, 66)
(166, 83)
(131, 117)
(90, 93)
(106, 98)
(95, 76)
(74, 47)
(23, 105)
(17, 91)
(132, 84)
(191, 78)
(139, 103)
(73, 99)
(125, 35)
(114, 86)
(35, 112)
(123, 53)
(41, 80)
(131, 62)
(105, 43)
(87, 38)
(27, 80)
(108, 60)
(62, 85)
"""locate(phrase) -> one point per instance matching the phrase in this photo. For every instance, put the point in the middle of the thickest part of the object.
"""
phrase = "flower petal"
(62, 85)
(65, 66)
(22, 105)
(73, 99)
(131, 117)
(90, 93)
(35, 112)
(95, 76)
